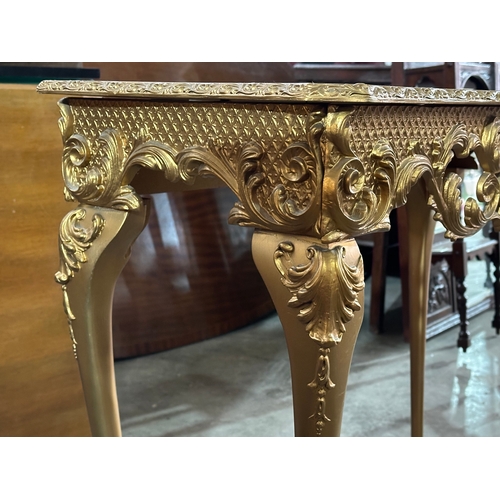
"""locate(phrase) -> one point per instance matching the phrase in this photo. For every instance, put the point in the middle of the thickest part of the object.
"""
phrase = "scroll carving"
(325, 292)
(74, 241)
(286, 197)
(358, 194)
(97, 173)
(357, 197)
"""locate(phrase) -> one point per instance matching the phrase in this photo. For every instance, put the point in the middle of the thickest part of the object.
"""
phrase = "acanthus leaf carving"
(444, 186)
(488, 151)
(98, 173)
(74, 241)
(153, 155)
(359, 195)
(325, 290)
(289, 203)
(286, 198)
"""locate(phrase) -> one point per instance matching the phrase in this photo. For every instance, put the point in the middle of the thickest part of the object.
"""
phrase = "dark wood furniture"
(447, 302)
(451, 259)
(377, 73)
(450, 75)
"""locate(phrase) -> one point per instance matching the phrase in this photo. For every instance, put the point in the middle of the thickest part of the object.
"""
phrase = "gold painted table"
(312, 165)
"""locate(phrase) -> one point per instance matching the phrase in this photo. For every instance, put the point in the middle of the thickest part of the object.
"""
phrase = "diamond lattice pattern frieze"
(181, 125)
(402, 125)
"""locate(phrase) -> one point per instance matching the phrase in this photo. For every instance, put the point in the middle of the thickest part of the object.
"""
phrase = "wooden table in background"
(40, 390)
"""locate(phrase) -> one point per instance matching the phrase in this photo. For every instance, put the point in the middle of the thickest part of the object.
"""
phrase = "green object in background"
(35, 74)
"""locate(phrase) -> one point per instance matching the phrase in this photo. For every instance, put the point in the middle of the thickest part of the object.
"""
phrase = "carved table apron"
(312, 165)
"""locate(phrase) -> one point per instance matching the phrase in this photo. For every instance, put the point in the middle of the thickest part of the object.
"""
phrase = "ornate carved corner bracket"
(285, 196)
(359, 193)
(74, 241)
(325, 292)
(98, 172)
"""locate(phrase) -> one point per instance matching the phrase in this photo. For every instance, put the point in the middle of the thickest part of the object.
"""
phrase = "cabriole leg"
(421, 236)
(318, 291)
(94, 246)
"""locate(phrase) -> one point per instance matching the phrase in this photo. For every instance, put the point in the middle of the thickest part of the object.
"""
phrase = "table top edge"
(269, 92)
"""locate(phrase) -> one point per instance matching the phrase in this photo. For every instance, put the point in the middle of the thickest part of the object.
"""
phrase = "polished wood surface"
(40, 389)
(195, 71)
(191, 276)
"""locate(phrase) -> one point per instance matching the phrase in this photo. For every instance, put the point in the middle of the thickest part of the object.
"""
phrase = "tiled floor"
(239, 384)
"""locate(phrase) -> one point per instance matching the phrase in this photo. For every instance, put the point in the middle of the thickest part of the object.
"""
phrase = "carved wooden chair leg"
(94, 247)
(459, 270)
(420, 237)
(495, 260)
(318, 293)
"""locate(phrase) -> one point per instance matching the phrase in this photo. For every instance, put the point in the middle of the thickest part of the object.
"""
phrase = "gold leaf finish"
(325, 290)
(313, 92)
(285, 197)
(376, 155)
(294, 167)
(74, 241)
(95, 171)
(357, 195)
(277, 178)
(322, 383)
(312, 165)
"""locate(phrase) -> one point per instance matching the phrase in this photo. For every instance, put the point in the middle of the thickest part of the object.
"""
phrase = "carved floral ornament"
(74, 240)
(325, 291)
(98, 173)
(358, 196)
(320, 187)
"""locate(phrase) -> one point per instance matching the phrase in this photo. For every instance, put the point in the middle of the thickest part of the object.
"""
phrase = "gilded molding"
(286, 199)
(74, 241)
(357, 195)
(310, 92)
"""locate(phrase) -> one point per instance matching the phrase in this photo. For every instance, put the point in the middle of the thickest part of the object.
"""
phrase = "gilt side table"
(312, 165)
